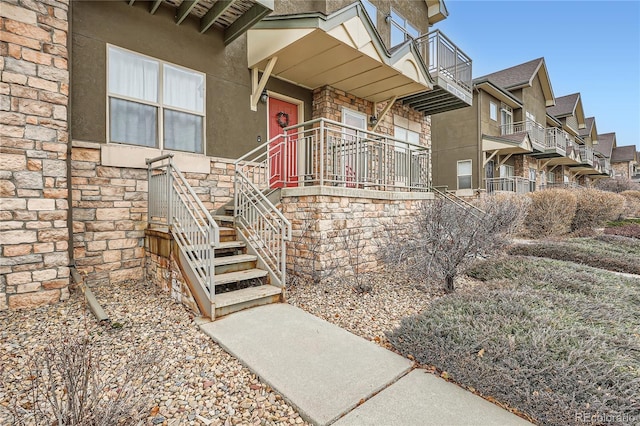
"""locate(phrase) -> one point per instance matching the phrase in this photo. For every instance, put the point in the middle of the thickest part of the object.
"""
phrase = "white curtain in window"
(182, 131)
(133, 123)
(183, 89)
(133, 75)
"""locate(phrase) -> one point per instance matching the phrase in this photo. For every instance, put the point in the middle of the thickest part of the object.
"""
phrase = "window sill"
(131, 156)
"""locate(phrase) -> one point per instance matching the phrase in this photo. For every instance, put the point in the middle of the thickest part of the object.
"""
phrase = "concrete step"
(223, 220)
(234, 277)
(238, 300)
(238, 262)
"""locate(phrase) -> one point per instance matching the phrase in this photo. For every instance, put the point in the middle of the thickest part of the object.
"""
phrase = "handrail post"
(321, 142)
(170, 192)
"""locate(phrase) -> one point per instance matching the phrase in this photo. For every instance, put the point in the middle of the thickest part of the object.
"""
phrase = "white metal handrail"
(445, 58)
(586, 154)
(535, 130)
(558, 139)
(515, 184)
(173, 203)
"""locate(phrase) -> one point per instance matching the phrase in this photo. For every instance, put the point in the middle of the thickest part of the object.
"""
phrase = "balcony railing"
(444, 58)
(558, 139)
(586, 154)
(605, 166)
(563, 185)
(515, 184)
(322, 152)
(535, 130)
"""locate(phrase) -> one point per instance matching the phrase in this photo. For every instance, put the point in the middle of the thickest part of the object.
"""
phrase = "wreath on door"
(283, 119)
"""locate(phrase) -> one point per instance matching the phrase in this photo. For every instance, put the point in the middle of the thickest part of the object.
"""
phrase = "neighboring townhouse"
(517, 136)
(603, 149)
(625, 161)
(323, 106)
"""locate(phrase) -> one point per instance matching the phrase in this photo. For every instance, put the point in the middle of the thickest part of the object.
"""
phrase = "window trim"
(367, 5)
(493, 111)
(402, 26)
(159, 104)
(458, 175)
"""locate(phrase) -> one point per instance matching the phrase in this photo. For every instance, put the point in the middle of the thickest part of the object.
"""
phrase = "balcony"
(450, 68)
(535, 131)
(557, 141)
(586, 154)
(515, 184)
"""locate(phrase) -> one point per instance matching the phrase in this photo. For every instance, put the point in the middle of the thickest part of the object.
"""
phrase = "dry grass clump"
(618, 256)
(550, 339)
(617, 185)
(595, 207)
(631, 203)
(550, 212)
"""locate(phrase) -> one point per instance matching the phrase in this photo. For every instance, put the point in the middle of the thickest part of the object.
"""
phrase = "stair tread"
(232, 277)
(222, 217)
(245, 295)
(225, 228)
(238, 258)
(231, 244)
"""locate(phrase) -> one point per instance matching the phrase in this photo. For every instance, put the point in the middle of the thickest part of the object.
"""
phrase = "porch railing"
(558, 139)
(323, 152)
(443, 57)
(535, 130)
(586, 154)
(562, 185)
(515, 184)
(173, 203)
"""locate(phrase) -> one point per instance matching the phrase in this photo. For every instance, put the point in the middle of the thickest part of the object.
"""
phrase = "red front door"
(283, 163)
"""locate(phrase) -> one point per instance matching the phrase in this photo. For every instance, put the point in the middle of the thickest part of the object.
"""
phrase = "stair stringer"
(199, 294)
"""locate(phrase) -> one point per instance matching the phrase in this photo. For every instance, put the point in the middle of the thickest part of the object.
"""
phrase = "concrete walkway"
(325, 372)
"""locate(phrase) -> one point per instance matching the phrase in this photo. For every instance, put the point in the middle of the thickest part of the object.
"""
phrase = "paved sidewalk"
(326, 372)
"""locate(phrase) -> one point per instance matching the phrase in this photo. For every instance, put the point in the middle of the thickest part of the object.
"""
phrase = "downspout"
(479, 138)
(74, 275)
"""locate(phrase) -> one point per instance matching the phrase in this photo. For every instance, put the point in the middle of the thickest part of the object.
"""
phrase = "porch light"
(264, 96)
(373, 120)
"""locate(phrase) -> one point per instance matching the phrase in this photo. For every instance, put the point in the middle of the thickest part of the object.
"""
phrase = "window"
(506, 171)
(401, 29)
(551, 178)
(493, 111)
(506, 119)
(154, 104)
(372, 11)
(464, 174)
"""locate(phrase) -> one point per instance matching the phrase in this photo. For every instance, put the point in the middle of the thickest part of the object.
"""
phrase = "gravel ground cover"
(193, 380)
(391, 295)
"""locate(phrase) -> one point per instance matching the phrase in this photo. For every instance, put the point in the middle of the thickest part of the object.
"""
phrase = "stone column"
(34, 94)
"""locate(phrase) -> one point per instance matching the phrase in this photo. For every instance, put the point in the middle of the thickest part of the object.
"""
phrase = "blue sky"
(591, 47)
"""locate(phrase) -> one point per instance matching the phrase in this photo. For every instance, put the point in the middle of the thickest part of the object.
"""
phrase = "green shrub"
(631, 203)
(550, 212)
(595, 207)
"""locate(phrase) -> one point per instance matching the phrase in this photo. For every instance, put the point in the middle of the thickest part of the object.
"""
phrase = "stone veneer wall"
(34, 97)
(328, 103)
(340, 232)
(621, 170)
(109, 208)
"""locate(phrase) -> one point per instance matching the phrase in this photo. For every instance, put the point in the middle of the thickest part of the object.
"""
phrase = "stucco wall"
(232, 128)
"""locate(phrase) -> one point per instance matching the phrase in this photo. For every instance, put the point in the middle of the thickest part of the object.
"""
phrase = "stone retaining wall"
(340, 232)
(34, 90)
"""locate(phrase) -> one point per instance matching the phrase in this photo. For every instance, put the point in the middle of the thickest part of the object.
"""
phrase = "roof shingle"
(605, 143)
(565, 105)
(515, 76)
(623, 153)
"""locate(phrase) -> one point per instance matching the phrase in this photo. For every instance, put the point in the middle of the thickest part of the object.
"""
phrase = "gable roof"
(522, 75)
(569, 105)
(606, 143)
(624, 153)
(589, 123)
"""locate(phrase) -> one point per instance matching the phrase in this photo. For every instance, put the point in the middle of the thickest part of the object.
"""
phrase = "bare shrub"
(617, 185)
(446, 236)
(551, 212)
(631, 203)
(68, 389)
(595, 207)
